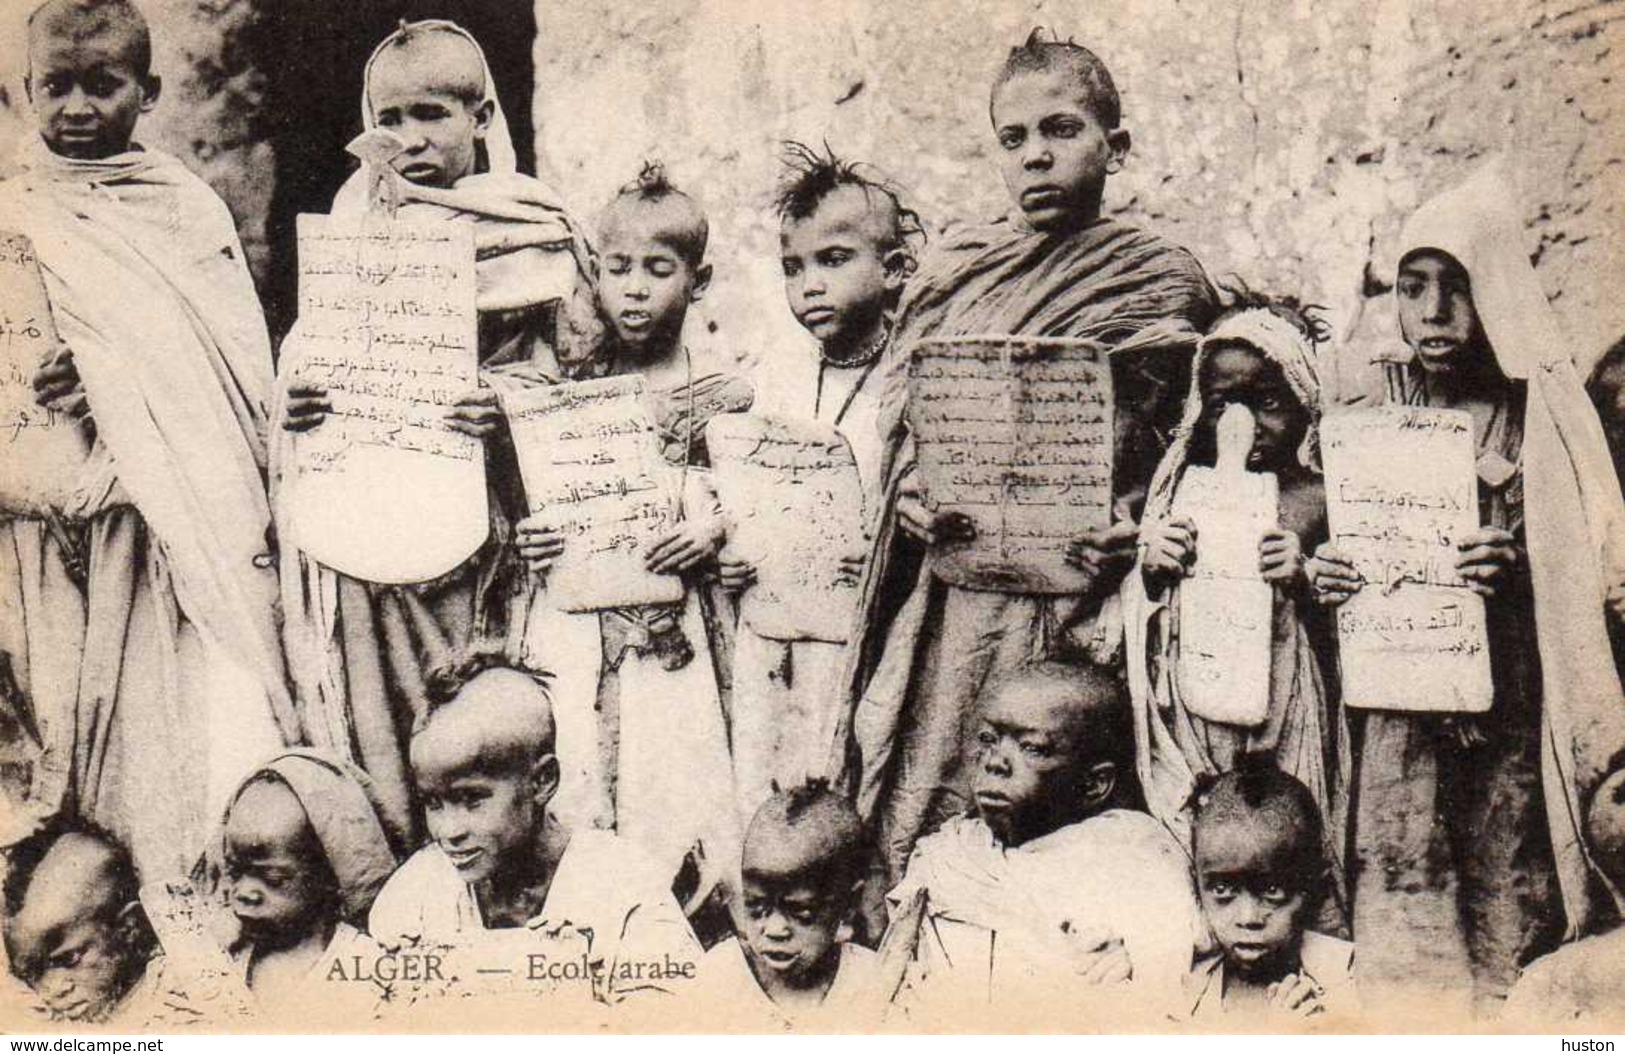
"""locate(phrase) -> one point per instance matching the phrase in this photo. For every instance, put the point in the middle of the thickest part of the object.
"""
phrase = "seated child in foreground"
(1057, 886)
(1581, 983)
(305, 854)
(501, 869)
(75, 932)
(1261, 872)
(801, 874)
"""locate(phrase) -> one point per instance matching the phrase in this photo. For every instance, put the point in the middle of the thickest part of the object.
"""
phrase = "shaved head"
(1259, 820)
(79, 875)
(651, 209)
(427, 59)
(497, 721)
(74, 929)
(807, 833)
(117, 22)
(1088, 705)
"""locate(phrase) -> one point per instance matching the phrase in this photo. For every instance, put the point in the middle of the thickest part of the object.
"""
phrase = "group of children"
(979, 802)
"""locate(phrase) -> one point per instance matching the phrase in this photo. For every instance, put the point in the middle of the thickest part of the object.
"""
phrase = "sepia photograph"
(841, 517)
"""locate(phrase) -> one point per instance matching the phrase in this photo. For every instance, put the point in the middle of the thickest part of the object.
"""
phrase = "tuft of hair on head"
(1041, 52)
(1236, 296)
(810, 177)
(442, 683)
(684, 225)
(1257, 791)
(826, 820)
(120, 881)
(513, 732)
(86, 19)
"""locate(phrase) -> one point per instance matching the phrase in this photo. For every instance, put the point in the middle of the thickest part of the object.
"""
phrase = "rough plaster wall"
(206, 113)
(1281, 140)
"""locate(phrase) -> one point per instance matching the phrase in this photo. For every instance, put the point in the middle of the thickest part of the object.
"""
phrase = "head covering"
(1574, 519)
(529, 250)
(1277, 340)
(1167, 775)
(499, 152)
(337, 801)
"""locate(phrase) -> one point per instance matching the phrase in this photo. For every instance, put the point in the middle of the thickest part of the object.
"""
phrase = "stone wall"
(1283, 141)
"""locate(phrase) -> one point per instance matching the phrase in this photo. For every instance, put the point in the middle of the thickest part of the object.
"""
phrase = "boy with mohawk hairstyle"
(164, 655)
(1056, 267)
(641, 689)
(846, 246)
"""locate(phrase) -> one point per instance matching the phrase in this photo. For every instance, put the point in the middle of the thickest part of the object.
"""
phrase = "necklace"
(862, 358)
(868, 360)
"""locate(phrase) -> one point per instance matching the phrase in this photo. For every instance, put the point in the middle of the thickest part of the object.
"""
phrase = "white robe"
(730, 995)
(602, 885)
(787, 694)
(1002, 926)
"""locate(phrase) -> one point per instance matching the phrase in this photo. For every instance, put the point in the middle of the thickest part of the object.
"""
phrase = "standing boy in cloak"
(1465, 900)
(1055, 268)
(641, 690)
(180, 682)
(358, 649)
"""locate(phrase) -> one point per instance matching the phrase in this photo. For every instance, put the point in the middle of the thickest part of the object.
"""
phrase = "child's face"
(484, 823)
(1436, 313)
(87, 94)
(835, 273)
(1236, 374)
(278, 882)
(645, 286)
(792, 927)
(441, 130)
(1252, 903)
(73, 949)
(1056, 154)
(1027, 764)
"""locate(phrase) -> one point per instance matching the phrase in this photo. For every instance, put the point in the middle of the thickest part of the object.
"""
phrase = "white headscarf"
(1277, 340)
(530, 251)
(499, 152)
(1574, 519)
